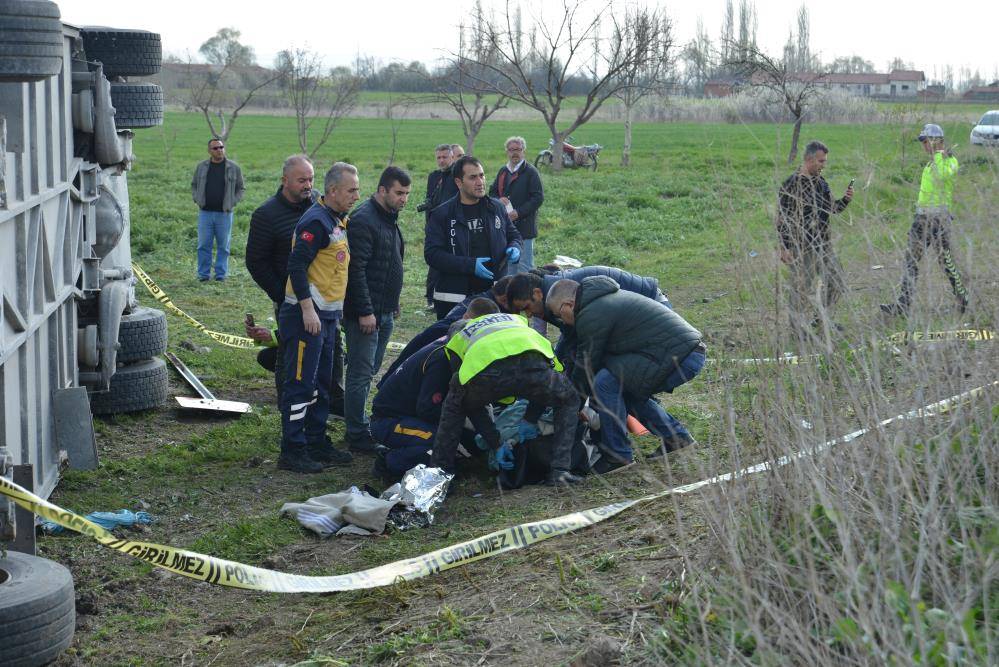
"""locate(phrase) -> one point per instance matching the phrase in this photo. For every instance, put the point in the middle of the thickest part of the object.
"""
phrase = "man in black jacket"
(804, 205)
(374, 283)
(469, 239)
(518, 186)
(269, 244)
(440, 188)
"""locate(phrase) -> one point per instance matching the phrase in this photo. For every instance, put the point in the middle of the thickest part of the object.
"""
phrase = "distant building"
(988, 93)
(897, 83)
(721, 87)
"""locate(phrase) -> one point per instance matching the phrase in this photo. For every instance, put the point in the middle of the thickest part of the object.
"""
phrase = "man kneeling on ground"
(629, 348)
(407, 408)
(499, 356)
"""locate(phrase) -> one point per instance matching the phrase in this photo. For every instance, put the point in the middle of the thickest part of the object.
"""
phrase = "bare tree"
(396, 109)
(321, 99)
(796, 89)
(221, 89)
(649, 32)
(455, 81)
(535, 71)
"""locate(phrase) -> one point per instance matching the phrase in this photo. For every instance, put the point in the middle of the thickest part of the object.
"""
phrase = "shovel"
(207, 400)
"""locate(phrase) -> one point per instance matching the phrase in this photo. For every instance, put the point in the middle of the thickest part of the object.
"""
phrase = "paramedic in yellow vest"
(308, 320)
(931, 226)
(495, 357)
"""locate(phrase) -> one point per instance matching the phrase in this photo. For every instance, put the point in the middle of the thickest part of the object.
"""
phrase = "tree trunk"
(626, 150)
(793, 154)
(470, 141)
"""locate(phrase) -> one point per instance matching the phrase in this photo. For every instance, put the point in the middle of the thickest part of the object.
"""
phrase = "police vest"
(936, 187)
(492, 337)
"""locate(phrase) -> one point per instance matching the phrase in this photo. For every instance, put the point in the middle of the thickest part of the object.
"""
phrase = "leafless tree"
(396, 109)
(320, 98)
(535, 71)
(220, 92)
(649, 32)
(221, 89)
(796, 90)
(455, 81)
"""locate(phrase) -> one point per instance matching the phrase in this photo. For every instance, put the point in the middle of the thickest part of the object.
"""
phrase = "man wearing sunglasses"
(216, 188)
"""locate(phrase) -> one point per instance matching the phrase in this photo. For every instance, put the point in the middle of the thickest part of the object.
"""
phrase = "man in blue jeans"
(216, 188)
(629, 347)
(373, 288)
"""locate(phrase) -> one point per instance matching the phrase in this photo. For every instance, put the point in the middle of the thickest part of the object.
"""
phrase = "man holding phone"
(803, 208)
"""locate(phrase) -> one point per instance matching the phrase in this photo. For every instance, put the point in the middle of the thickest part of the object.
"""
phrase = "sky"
(927, 34)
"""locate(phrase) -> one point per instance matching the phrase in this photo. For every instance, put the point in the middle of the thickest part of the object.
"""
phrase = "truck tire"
(142, 335)
(123, 52)
(37, 610)
(32, 44)
(136, 105)
(134, 387)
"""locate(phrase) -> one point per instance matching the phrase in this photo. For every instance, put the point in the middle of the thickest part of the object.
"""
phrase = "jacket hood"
(593, 288)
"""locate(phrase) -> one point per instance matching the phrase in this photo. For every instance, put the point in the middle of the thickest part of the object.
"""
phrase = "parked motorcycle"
(572, 156)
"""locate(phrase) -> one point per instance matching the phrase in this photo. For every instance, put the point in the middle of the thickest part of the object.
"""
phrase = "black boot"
(298, 461)
(326, 455)
(672, 444)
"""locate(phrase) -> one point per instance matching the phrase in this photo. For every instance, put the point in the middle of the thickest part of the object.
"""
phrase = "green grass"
(692, 210)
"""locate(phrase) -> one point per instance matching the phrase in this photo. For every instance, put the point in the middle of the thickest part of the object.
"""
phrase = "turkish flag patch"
(307, 237)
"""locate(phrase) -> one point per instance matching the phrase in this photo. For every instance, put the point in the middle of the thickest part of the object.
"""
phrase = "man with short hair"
(373, 288)
(440, 188)
(268, 245)
(307, 323)
(518, 186)
(932, 222)
(216, 188)
(629, 349)
(469, 239)
(457, 151)
(498, 356)
(804, 205)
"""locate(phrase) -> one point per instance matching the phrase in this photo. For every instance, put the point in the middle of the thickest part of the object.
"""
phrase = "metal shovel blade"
(207, 400)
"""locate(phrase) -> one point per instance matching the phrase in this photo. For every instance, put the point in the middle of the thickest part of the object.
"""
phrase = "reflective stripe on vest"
(492, 337)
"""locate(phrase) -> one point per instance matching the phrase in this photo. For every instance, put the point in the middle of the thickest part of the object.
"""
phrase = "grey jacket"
(233, 185)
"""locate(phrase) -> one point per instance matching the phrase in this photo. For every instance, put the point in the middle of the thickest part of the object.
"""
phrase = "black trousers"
(930, 230)
(529, 375)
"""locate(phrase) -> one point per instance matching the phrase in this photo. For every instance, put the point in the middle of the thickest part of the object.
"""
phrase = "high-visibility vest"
(936, 187)
(491, 337)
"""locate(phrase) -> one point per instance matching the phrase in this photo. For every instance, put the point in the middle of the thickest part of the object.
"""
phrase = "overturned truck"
(73, 340)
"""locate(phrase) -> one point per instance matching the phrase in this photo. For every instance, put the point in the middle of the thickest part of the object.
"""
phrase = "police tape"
(222, 572)
(900, 338)
(230, 340)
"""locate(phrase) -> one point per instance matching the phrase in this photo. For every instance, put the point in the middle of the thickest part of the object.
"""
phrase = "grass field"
(656, 585)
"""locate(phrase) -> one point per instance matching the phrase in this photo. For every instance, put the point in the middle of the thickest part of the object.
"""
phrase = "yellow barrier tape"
(901, 338)
(230, 340)
(237, 575)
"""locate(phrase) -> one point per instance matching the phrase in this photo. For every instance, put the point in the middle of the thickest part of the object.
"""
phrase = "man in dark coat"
(518, 186)
(469, 239)
(268, 245)
(374, 285)
(804, 204)
(629, 348)
(440, 188)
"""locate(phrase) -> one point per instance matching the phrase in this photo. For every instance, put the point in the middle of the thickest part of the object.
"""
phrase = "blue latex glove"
(526, 431)
(480, 269)
(513, 254)
(504, 456)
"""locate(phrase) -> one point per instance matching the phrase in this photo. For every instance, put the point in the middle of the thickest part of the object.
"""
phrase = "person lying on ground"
(629, 347)
(496, 357)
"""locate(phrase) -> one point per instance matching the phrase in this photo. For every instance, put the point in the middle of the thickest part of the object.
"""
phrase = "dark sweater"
(805, 203)
(526, 194)
(269, 242)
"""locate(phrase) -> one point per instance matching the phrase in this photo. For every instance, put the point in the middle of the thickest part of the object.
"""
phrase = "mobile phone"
(249, 320)
(852, 181)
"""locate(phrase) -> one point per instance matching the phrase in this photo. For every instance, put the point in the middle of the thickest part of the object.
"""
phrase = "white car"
(986, 133)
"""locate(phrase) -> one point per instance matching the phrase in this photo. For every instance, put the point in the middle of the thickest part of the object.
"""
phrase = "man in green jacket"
(629, 347)
(495, 357)
(931, 226)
